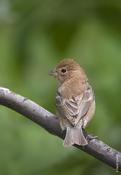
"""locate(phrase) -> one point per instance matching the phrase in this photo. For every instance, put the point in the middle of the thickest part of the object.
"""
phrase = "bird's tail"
(74, 135)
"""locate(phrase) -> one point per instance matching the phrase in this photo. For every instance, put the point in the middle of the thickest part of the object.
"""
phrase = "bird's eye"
(63, 71)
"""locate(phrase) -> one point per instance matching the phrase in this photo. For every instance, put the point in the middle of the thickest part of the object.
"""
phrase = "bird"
(75, 101)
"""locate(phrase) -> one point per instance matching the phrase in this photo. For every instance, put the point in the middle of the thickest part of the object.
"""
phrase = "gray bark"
(49, 121)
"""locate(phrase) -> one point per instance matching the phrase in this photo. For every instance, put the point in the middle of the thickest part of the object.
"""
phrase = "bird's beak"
(53, 72)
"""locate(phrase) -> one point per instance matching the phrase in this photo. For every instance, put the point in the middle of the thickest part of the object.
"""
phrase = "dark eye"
(63, 71)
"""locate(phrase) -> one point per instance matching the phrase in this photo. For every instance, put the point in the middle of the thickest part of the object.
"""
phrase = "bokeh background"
(34, 36)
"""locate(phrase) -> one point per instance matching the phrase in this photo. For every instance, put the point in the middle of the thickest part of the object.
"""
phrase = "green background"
(34, 36)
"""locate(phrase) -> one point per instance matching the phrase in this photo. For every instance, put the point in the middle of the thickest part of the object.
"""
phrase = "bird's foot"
(90, 137)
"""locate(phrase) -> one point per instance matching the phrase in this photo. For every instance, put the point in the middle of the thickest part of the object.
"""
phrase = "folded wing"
(76, 108)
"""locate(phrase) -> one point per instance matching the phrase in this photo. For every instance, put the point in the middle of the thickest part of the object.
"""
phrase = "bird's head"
(66, 69)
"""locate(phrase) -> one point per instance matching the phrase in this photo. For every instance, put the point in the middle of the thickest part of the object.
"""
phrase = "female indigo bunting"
(74, 100)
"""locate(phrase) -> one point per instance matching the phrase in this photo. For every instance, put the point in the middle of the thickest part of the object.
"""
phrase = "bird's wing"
(77, 107)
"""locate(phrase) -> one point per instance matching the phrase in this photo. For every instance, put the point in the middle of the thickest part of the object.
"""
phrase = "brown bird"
(75, 101)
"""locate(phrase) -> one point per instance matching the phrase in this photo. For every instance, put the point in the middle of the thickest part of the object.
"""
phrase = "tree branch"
(48, 121)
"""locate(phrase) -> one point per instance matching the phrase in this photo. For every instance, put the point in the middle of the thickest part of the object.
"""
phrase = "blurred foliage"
(34, 36)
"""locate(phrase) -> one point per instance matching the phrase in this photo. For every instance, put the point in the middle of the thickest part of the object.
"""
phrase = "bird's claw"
(90, 137)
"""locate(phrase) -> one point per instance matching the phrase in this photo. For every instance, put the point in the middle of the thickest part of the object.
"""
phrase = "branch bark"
(49, 121)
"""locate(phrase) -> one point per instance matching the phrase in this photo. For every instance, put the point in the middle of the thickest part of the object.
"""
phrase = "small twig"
(117, 163)
(47, 120)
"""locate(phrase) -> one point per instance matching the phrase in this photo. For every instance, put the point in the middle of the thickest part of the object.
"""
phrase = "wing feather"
(77, 107)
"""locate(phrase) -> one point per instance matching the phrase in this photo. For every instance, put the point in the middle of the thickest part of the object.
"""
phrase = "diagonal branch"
(48, 121)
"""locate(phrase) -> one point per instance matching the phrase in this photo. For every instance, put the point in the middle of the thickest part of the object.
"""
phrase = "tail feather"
(74, 135)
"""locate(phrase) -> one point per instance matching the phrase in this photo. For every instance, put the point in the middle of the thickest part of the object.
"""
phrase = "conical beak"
(53, 72)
